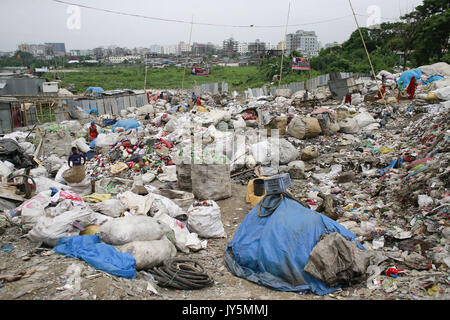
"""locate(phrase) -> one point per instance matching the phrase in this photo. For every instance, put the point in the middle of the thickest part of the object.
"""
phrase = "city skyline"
(330, 19)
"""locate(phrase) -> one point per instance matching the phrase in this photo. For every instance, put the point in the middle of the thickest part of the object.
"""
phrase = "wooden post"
(42, 115)
(26, 116)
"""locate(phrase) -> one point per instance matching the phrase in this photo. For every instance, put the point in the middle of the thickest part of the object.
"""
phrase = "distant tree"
(432, 20)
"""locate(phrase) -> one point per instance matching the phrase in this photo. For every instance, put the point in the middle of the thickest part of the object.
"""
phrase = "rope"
(180, 273)
(271, 202)
(198, 23)
(368, 55)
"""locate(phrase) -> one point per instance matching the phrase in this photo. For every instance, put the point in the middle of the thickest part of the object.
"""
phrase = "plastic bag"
(184, 240)
(206, 220)
(364, 119)
(179, 201)
(123, 230)
(211, 181)
(28, 147)
(118, 167)
(49, 229)
(149, 254)
(44, 184)
(4, 170)
(83, 188)
(349, 125)
(169, 174)
(106, 140)
(138, 205)
(112, 207)
(81, 144)
(53, 163)
(306, 127)
(39, 172)
(96, 197)
(443, 93)
(68, 195)
(33, 209)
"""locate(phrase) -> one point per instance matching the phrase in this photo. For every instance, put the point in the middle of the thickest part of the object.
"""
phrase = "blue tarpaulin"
(406, 76)
(109, 122)
(93, 110)
(92, 144)
(95, 90)
(274, 250)
(127, 124)
(99, 255)
(432, 79)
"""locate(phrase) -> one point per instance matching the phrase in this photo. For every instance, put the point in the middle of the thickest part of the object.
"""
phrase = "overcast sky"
(39, 21)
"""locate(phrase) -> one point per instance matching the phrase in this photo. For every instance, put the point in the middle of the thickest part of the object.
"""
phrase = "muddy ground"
(46, 275)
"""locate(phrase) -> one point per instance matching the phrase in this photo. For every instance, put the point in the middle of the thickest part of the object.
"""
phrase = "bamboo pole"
(190, 37)
(37, 116)
(284, 47)
(367, 52)
(145, 80)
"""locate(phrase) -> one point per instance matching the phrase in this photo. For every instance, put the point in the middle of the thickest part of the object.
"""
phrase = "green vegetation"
(132, 77)
(421, 38)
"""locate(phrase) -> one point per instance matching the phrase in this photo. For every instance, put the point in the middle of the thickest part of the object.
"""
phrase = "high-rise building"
(303, 41)
(281, 45)
(59, 49)
(156, 48)
(257, 47)
(230, 46)
(170, 49)
(37, 50)
(243, 48)
(183, 48)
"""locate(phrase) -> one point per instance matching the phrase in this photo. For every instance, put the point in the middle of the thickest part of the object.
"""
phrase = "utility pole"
(285, 33)
(145, 79)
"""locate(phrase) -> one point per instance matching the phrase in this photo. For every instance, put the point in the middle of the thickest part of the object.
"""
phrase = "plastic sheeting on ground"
(99, 255)
(273, 250)
(126, 124)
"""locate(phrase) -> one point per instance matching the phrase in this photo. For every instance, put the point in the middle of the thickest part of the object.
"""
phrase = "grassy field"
(132, 77)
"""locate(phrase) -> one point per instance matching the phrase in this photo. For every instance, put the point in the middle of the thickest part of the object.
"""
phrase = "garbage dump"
(346, 198)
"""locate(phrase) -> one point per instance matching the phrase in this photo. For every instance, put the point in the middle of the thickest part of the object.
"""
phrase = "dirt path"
(49, 276)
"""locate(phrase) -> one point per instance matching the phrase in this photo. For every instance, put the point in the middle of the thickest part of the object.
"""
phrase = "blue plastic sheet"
(391, 165)
(99, 255)
(108, 122)
(95, 90)
(406, 76)
(93, 110)
(432, 79)
(273, 250)
(127, 124)
(92, 144)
